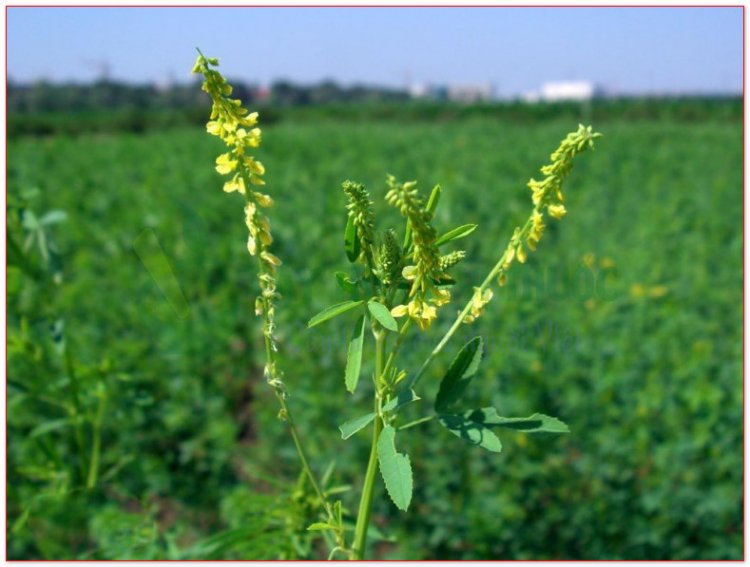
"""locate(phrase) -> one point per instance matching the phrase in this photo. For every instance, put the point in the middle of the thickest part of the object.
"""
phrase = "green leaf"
(537, 423)
(29, 221)
(395, 468)
(350, 427)
(351, 242)
(403, 398)
(456, 233)
(433, 201)
(471, 431)
(333, 311)
(345, 282)
(50, 426)
(382, 315)
(461, 370)
(354, 354)
(53, 217)
(320, 526)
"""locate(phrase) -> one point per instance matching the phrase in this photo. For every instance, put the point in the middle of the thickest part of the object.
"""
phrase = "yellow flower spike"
(251, 245)
(556, 211)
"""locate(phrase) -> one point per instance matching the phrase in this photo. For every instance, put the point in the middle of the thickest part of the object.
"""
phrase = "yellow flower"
(254, 166)
(249, 214)
(235, 184)
(399, 311)
(478, 301)
(637, 290)
(658, 291)
(521, 253)
(251, 245)
(422, 312)
(442, 297)
(270, 258)
(409, 273)
(225, 164)
(213, 128)
(262, 199)
(556, 211)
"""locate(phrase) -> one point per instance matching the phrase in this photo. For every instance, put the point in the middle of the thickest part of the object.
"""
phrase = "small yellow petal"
(270, 258)
(399, 311)
(409, 272)
(262, 199)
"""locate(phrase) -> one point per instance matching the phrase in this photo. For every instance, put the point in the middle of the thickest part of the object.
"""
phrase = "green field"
(626, 324)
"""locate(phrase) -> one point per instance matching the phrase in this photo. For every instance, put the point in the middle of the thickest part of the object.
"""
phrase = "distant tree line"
(110, 95)
(45, 108)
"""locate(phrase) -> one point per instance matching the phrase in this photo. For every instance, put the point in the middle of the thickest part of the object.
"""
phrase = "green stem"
(365, 503)
(97, 443)
(76, 409)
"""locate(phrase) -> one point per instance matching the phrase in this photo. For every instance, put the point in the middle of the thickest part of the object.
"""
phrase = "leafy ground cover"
(627, 325)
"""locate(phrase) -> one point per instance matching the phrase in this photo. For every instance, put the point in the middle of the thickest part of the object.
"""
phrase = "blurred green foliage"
(626, 324)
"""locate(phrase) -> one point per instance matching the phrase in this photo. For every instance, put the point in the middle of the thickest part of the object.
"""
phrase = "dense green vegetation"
(626, 324)
(58, 112)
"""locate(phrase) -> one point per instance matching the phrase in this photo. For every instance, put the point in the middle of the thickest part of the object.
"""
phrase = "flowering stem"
(365, 503)
(286, 411)
(496, 271)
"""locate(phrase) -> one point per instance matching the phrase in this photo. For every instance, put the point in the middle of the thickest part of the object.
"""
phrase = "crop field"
(139, 422)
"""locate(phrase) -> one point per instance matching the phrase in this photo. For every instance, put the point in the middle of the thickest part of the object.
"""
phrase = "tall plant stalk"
(393, 278)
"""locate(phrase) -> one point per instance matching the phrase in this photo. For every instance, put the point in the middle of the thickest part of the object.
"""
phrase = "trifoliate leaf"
(537, 423)
(471, 431)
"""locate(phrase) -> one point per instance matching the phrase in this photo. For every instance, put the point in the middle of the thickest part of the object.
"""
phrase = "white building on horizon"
(558, 91)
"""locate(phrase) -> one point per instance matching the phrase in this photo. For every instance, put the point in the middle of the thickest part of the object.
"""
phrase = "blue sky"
(627, 50)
